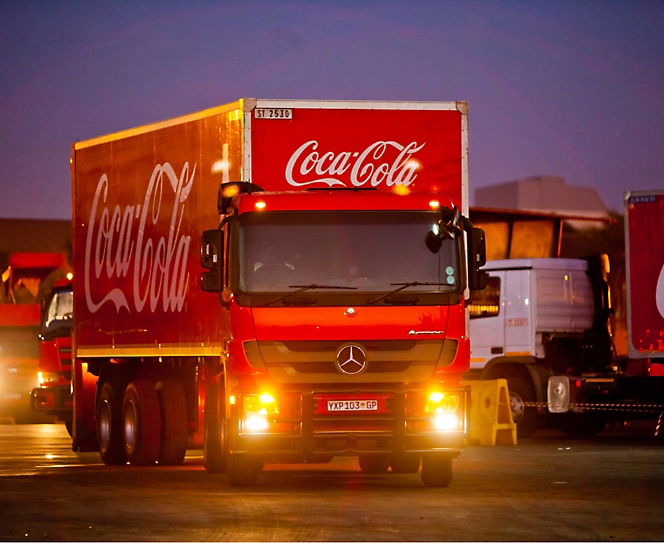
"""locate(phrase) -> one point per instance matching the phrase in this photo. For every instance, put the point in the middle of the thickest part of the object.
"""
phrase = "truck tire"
(174, 434)
(437, 470)
(406, 463)
(242, 470)
(141, 418)
(526, 418)
(374, 464)
(214, 447)
(109, 423)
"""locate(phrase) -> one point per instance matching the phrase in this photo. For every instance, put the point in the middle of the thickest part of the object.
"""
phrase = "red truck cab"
(346, 329)
(53, 395)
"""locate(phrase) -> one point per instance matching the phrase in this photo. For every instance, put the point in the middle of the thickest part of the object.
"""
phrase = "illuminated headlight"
(44, 378)
(258, 408)
(443, 408)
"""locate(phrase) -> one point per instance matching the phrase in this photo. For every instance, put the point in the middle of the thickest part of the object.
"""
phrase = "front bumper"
(306, 429)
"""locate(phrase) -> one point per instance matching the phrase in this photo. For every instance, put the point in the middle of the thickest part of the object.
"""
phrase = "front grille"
(379, 366)
(333, 345)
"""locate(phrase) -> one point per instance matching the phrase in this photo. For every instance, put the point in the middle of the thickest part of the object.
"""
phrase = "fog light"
(443, 408)
(445, 421)
(257, 409)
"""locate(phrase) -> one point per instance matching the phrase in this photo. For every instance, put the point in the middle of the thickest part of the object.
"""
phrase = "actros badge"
(351, 359)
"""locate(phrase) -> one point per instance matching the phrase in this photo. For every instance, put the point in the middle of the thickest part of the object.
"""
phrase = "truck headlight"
(43, 378)
(443, 408)
(258, 408)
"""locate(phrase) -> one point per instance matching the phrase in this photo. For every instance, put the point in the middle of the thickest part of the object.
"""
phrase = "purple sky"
(574, 89)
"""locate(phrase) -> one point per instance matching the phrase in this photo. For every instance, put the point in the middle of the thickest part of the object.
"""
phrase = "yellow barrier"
(490, 413)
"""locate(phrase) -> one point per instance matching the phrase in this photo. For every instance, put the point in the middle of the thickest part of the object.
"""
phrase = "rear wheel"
(109, 423)
(141, 423)
(406, 463)
(437, 470)
(526, 418)
(173, 410)
(374, 464)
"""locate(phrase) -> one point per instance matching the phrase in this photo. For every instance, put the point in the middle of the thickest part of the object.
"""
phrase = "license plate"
(352, 405)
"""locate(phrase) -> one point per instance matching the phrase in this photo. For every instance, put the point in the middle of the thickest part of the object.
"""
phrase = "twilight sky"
(567, 88)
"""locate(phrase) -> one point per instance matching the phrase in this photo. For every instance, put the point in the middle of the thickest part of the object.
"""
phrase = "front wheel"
(214, 454)
(437, 470)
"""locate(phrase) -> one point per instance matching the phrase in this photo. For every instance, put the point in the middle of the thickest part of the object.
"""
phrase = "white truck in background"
(537, 318)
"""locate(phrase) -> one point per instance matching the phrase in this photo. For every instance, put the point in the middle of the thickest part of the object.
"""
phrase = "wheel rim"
(104, 425)
(130, 429)
(518, 407)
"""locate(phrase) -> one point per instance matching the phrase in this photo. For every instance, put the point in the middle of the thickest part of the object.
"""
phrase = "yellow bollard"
(490, 413)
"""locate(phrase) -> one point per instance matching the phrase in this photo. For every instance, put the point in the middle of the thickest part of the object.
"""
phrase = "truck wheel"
(242, 470)
(109, 423)
(406, 463)
(582, 425)
(214, 454)
(527, 419)
(141, 423)
(374, 464)
(437, 470)
(173, 410)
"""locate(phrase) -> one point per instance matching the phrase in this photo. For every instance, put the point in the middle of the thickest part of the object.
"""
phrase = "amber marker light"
(230, 191)
(401, 190)
(70, 276)
(434, 204)
(260, 205)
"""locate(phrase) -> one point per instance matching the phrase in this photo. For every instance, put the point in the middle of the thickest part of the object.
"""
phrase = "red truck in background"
(633, 388)
(331, 319)
(53, 395)
(24, 285)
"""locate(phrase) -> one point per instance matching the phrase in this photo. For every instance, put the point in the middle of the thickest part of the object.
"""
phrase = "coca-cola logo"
(118, 245)
(385, 162)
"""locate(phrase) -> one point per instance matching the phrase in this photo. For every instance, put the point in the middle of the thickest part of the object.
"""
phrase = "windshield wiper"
(303, 288)
(402, 286)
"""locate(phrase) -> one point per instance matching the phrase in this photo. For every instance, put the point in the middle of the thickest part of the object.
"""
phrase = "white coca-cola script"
(386, 162)
(115, 249)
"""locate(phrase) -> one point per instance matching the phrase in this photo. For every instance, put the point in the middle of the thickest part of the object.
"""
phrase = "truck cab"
(53, 395)
(536, 318)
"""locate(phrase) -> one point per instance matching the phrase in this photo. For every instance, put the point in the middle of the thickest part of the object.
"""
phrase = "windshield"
(59, 311)
(365, 251)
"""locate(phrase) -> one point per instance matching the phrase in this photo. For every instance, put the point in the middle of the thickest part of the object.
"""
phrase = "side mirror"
(477, 278)
(212, 253)
(448, 227)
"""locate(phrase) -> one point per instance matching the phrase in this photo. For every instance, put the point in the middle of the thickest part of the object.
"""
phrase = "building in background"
(545, 193)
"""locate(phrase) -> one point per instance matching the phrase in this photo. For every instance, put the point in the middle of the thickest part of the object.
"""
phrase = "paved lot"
(547, 488)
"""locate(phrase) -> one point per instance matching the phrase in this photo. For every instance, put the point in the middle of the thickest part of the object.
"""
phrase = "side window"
(486, 303)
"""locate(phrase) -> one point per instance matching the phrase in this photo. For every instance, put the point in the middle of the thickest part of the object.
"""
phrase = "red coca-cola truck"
(276, 280)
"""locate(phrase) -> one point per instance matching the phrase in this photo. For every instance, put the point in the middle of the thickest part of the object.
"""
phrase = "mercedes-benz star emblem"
(351, 359)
